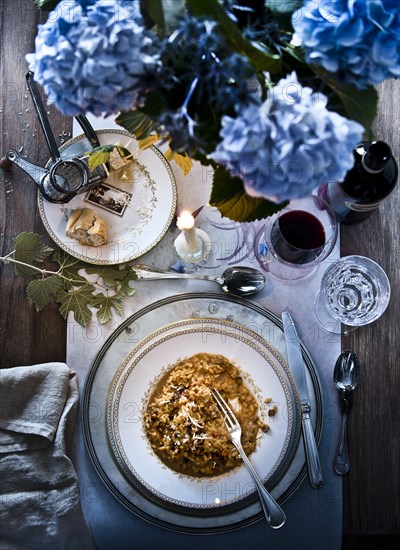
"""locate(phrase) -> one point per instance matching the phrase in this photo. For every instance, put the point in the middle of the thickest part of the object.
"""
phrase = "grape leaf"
(69, 268)
(104, 303)
(110, 274)
(76, 300)
(29, 249)
(41, 291)
(125, 288)
(130, 275)
(137, 123)
(229, 196)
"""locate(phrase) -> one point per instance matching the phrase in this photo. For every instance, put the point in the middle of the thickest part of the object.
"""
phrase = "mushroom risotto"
(184, 425)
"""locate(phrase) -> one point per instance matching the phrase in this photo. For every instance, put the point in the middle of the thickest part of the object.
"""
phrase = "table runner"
(314, 518)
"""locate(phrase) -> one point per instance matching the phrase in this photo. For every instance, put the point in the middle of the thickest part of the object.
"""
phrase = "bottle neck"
(376, 157)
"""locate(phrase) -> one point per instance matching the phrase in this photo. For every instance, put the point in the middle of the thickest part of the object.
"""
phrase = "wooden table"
(371, 503)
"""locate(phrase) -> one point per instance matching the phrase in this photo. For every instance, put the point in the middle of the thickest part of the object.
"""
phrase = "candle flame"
(185, 221)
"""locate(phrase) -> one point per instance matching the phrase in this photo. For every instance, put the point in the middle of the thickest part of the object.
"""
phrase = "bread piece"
(84, 226)
(97, 234)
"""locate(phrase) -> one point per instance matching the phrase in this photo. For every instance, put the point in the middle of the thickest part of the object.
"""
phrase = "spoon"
(239, 280)
(345, 378)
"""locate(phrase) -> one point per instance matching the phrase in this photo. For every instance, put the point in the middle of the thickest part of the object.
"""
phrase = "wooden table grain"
(371, 503)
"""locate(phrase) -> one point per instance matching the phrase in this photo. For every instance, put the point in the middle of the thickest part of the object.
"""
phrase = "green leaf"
(69, 268)
(229, 196)
(99, 155)
(105, 303)
(113, 277)
(136, 123)
(111, 274)
(29, 249)
(76, 300)
(125, 288)
(153, 13)
(41, 291)
(258, 54)
(47, 4)
(359, 105)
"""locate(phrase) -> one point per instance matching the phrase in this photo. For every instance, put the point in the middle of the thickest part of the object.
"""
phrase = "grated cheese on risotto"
(184, 425)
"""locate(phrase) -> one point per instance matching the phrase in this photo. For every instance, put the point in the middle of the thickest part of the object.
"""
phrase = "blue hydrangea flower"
(358, 39)
(92, 56)
(288, 145)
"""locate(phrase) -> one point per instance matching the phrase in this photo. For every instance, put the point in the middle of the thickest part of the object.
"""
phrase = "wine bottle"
(372, 178)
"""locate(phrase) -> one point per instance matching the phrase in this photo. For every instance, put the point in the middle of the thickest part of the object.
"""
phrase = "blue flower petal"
(89, 52)
(341, 34)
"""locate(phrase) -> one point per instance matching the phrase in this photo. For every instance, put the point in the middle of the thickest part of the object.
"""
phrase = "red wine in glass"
(298, 237)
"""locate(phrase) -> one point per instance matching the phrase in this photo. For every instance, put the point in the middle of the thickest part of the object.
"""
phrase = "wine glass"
(354, 292)
(299, 237)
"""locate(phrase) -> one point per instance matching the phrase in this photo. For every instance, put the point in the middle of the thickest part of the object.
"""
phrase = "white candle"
(185, 223)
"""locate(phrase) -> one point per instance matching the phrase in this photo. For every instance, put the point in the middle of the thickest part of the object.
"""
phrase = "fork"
(273, 512)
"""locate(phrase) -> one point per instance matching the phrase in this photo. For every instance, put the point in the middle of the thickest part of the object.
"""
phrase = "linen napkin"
(40, 502)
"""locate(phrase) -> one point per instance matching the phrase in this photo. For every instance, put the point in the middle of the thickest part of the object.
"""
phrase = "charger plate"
(264, 372)
(104, 372)
(138, 207)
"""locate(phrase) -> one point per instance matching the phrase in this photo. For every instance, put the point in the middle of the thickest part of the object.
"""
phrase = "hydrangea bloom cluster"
(286, 146)
(93, 56)
(358, 39)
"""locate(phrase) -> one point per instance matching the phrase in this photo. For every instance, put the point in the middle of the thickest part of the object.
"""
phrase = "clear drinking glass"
(354, 291)
(299, 237)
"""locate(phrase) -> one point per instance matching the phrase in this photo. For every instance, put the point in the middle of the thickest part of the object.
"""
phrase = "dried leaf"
(146, 142)
(184, 162)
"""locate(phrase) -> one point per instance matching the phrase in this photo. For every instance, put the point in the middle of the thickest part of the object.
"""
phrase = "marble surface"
(314, 517)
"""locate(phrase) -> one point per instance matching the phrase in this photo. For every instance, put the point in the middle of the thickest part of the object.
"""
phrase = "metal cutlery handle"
(150, 273)
(342, 463)
(314, 465)
(274, 514)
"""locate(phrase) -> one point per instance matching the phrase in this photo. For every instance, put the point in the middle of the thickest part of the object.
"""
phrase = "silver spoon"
(240, 280)
(345, 378)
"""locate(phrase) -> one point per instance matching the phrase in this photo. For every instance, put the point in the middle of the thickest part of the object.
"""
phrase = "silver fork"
(273, 512)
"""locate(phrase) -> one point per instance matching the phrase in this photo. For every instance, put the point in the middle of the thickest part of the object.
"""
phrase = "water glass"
(355, 291)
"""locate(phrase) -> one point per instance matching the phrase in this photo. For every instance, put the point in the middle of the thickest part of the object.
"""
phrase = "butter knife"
(296, 365)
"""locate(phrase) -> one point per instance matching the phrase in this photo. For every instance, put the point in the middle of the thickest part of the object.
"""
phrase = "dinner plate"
(265, 373)
(103, 372)
(137, 203)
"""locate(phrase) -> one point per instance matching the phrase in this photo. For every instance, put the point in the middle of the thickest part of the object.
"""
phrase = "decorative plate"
(103, 373)
(137, 203)
(266, 375)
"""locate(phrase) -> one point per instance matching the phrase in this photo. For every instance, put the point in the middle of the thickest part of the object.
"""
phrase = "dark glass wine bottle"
(372, 178)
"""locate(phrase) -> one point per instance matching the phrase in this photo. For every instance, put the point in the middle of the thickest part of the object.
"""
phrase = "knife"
(296, 365)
